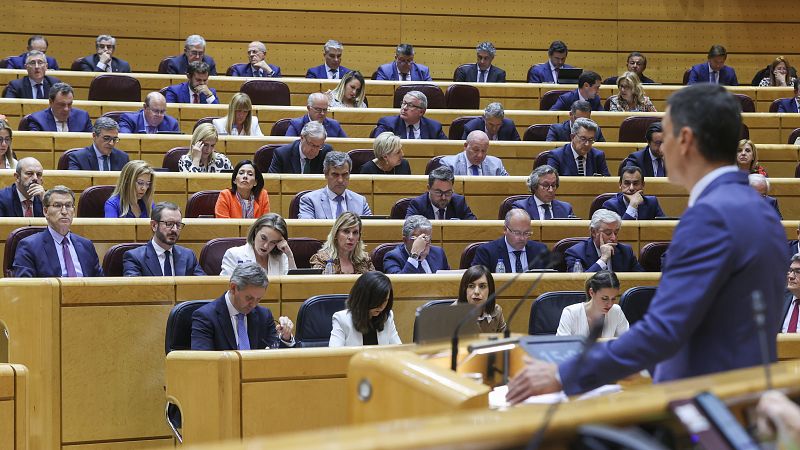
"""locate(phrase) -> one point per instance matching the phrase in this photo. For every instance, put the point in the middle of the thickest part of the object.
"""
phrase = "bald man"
(317, 107)
(475, 159)
(151, 119)
(257, 65)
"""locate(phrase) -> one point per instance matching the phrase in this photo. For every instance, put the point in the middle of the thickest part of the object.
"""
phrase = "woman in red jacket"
(247, 198)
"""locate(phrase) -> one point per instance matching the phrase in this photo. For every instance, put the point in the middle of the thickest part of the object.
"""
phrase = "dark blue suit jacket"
(246, 70)
(37, 257)
(180, 64)
(389, 71)
(456, 209)
(622, 260)
(787, 105)
(787, 303)
(21, 88)
(320, 72)
(89, 64)
(699, 74)
(428, 128)
(143, 262)
(774, 203)
(332, 127)
(701, 319)
(565, 101)
(18, 62)
(562, 160)
(212, 328)
(489, 253)
(134, 123)
(396, 261)
(642, 160)
(647, 210)
(179, 93)
(469, 74)
(78, 121)
(559, 209)
(11, 207)
(793, 247)
(286, 159)
(561, 132)
(507, 131)
(86, 159)
(540, 73)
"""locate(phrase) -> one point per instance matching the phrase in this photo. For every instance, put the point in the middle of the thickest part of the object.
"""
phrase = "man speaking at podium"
(726, 246)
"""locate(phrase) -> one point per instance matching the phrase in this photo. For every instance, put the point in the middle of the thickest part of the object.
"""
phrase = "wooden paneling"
(14, 407)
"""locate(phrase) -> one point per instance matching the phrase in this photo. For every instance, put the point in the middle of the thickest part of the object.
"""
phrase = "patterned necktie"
(411, 134)
(581, 166)
(106, 165)
(39, 91)
(339, 209)
(474, 169)
(241, 330)
(547, 214)
(195, 97)
(68, 259)
(28, 208)
(167, 264)
(334, 74)
(152, 130)
(518, 261)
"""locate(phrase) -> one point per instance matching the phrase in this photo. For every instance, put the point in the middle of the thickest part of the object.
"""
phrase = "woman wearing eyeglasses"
(133, 196)
(202, 156)
(8, 159)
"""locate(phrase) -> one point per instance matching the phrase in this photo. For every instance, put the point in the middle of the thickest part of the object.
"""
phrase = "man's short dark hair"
(587, 76)
(630, 169)
(717, 50)
(444, 173)
(557, 47)
(158, 210)
(580, 105)
(405, 49)
(632, 54)
(62, 88)
(654, 128)
(197, 67)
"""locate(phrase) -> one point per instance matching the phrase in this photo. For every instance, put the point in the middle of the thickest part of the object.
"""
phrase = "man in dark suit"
(701, 318)
(579, 158)
(24, 197)
(714, 71)
(101, 155)
(602, 251)
(542, 204)
(636, 63)
(60, 116)
(483, 71)
(332, 69)
(514, 252)
(494, 124)
(257, 66)
(37, 84)
(38, 43)
(403, 68)
(630, 202)
(151, 119)
(790, 105)
(411, 123)
(317, 107)
(794, 244)
(588, 87)
(440, 202)
(561, 132)
(790, 311)
(650, 159)
(416, 254)
(196, 89)
(548, 72)
(194, 50)
(761, 184)
(304, 155)
(103, 60)
(56, 252)
(235, 321)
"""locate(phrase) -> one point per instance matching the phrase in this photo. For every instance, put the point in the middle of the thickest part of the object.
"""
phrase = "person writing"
(602, 291)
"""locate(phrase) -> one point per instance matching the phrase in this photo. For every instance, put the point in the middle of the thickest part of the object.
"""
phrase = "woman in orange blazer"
(247, 198)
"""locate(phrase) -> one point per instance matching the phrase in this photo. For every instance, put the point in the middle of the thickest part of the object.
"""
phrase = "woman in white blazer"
(266, 244)
(240, 120)
(602, 291)
(368, 319)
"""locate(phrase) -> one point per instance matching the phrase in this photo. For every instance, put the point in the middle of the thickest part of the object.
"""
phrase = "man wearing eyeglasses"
(791, 308)
(579, 158)
(24, 197)
(195, 89)
(56, 252)
(162, 256)
(602, 250)
(60, 116)
(101, 155)
(257, 65)
(103, 60)
(37, 84)
(35, 42)
(561, 131)
(305, 155)
(440, 202)
(514, 252)
(194, 50)
(317, 107)
(411, 124)
(542, 203)
(151, 119)
(403, 68)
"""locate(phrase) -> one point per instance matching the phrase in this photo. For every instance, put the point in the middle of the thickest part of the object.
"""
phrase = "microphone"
(759, 315)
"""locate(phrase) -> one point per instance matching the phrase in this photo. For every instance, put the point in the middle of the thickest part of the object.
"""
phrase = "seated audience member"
(411, 123)
(194, 50)
(636, 63)
(304, 155)
(631, 96)
(202, 156)
(56, 252)
(35, 42)
(601, 251)
(794, 246)
(196, 89)
(650, 159)
(761, 184)
(556, 60)
(790, 299)
(403, 68)
(266, 245)
(475, 159)
(133, 196)
(37, 84)
(477, 285)
(350, 92)
(317, 107)
(778, 74)
(257, 64)
(494, 124)
(235, 321)
(240, 120)
(778, 418)
(542, 204)
(162, 256)
(368, 319)
(602, 292)
(630, 202)
(103, 60)
(561, 132)
(332, 69)
(60, 116)
(344, 248)
(247, 198)
(747, 158)
(388, 159)
(440, 202)
(588, 88)
(514, 252)
(715, 70)
(416, 254)
(23, 198)
(578, 157)
(101, 155)
(483, 71)
(8, 159)
(790, 105)
(334, 199)
(151, 119)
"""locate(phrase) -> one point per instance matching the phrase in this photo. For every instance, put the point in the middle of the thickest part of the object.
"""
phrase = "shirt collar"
(509, 248)
(159, 249)
(97, 153)
(57, 237)
(539, 202)
(231, 310)
(332, 195)
(653, 157)
(701, 185)
(574, 153)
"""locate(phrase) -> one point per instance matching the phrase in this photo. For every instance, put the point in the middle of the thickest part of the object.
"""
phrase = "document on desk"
(497, 398)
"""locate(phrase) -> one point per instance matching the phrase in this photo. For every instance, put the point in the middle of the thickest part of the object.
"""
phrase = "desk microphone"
(759, 314)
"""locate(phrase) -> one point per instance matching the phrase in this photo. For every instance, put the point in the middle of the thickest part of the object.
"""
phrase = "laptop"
(569, 76)
(438, 322)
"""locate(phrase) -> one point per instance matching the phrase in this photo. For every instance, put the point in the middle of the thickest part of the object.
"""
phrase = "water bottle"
(329, 270)
(578, 267)
(501, 268)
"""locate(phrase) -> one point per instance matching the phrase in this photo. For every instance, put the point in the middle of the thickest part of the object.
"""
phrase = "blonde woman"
(747, 158)
(240, 120)
(350, 92)
(631, 96)
(8, 160)
(202, 156)
(133, 196)
(344, 247)
(388, 157)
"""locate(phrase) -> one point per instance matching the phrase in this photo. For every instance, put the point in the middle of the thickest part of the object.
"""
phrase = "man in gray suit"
(334, 199)
(475, 160)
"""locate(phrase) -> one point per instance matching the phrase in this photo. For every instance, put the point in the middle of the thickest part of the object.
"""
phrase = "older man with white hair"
(494, 123)
(257, 65)
(304, 155)
(411, 123)
(317, 107)
(194, 49)
(475, 159)
(416, 254)
(601, 250)
(761, 184)
(103, 60)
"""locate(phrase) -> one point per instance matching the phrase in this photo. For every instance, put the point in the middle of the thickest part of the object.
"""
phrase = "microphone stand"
(759, 314)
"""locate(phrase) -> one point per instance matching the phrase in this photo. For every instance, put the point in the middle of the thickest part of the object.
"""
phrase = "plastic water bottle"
(501, 268)
(578, 267)
(329, 270)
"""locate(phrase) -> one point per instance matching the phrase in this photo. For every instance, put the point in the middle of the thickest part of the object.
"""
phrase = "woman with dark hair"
(266, 245)
(476, 286)
(602, 290)
(779, 74)
(247, 198)
(368, 319)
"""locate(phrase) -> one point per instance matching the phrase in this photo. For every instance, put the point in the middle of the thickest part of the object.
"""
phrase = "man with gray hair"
(403, 68)
(36, 42)
(411, 123)
(151, 119)
(514, 252)
(761, 184)
(332, 69)
(578, 157)
(542, 204)
(317, 107)
(334, 199)
(494, 124)
(483, 71)
(194, 49)
(60, 116)
(601, 250)
(101, 155)
(475, 159)
(257, 65)
(235, 321)
(304, 155)
(23, 198)
(440, 202)
(103, 60)
(560, 132)
(37, 84)
(416, 254)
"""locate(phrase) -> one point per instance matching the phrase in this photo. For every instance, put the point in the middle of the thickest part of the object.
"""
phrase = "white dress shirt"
(162, 256)
(512, 258)
(73, 254)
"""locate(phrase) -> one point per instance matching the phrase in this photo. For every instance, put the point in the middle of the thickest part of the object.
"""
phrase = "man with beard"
(24, 197)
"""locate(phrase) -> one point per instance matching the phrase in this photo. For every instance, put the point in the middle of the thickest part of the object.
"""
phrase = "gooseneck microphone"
(759, 315)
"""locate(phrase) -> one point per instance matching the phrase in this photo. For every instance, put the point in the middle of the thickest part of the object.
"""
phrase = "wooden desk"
(13, 406)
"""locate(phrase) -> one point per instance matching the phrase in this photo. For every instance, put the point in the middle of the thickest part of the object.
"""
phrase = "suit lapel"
(569, 160)
(294, 158)
(91, 159)
(178, 262)
(51, 255)
(326, 205)
(83, 257)
(254, 327)
(225, 322)
(16, 205)
(151, 261)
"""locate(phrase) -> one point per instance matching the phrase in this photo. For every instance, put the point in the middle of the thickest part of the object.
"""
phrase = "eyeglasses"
(108, 46)
(409, 105)
(146, 184)
(36, 63)
(197, 53)
(112, 139)
(68, 206)
(169, 225)
(548, 187)
(441, 193)
(319, 110)
(5, 140)
(795, 272)
(525, 234)
(584, 140)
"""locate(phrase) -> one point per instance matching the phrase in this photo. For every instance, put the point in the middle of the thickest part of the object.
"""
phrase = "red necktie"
(195, 98)
(28, 205)
(792, 328)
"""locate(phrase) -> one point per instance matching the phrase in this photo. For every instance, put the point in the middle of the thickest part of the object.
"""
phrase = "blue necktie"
(547, 214)
(411, 134)
(474, 170)
(39, 91)
(167, 264)
(106, 165)
(339, 211)
(241, 330)
(659, 168)
(518, 262)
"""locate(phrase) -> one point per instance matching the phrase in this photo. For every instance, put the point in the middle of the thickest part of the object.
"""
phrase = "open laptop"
(569, 76)
(438, 322)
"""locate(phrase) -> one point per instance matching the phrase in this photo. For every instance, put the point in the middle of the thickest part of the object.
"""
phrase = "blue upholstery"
(315, 319)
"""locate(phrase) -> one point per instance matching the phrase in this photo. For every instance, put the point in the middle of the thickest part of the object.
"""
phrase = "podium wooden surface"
(13, 406)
